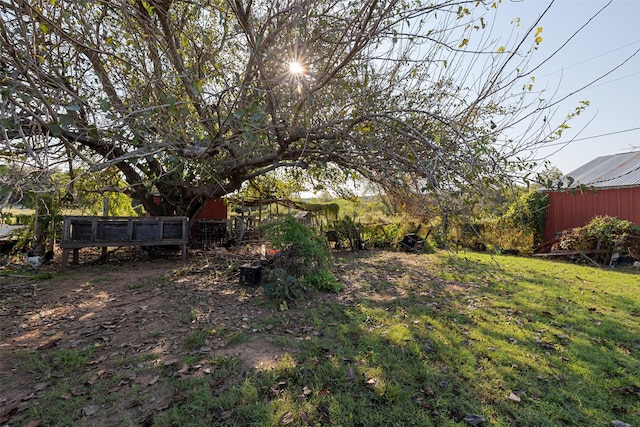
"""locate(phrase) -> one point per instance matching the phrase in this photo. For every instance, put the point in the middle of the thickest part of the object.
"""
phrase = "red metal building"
(607, 185)
(213, 209)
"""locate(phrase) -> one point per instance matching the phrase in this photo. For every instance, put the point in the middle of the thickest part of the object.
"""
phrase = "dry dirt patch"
(128, 313)
(259, 353)
(140, 321)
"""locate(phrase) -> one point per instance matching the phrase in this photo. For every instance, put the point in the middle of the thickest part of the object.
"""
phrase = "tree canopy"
(190, 100)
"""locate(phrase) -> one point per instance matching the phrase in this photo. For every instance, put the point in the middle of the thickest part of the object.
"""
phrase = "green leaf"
(197, 87)
(66, 120)
(72, 107)
(105, 105)
(8, 124)
(55, 129)
(148, 7)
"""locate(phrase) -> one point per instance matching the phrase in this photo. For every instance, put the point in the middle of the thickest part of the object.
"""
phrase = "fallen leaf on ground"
(286, 418)
(303, 418)
(545, 344)
(428, 391)
(75, 391)
(514, 397)
(170, 362)
(90, 410)
(323, 413)
(221, 414)
(474, 420)
(41, 386)
(278, 387)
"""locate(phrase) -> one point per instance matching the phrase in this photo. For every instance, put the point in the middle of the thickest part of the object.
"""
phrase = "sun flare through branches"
(296, 69)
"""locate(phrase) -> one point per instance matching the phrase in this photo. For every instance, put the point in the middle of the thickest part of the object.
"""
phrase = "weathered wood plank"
(84, 231)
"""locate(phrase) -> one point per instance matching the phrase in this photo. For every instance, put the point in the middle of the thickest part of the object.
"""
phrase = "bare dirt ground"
(132, 313)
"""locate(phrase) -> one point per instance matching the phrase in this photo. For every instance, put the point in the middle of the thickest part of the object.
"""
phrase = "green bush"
(530, 213)
(376, 235)
(303, 262)
(612, 235)
(323, 279)
(388, 235)
(280, 285)
(24, 219)
(382, 235)
(7, 218)
(348, 232)
(519, 228)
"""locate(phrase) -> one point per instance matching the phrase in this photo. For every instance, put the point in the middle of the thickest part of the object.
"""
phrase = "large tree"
(191, 99)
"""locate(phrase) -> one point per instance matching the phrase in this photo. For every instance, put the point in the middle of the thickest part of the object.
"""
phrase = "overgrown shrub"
(379, 235)
(472, 233)
(607, 233)
(499, 235)
(303, 263)
(50, 225)
(519, 228)
(388, 235)
(281, 285)
(529, 212)
(348, 233)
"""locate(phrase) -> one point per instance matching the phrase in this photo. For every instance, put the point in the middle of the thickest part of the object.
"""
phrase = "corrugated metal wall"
(567, 210)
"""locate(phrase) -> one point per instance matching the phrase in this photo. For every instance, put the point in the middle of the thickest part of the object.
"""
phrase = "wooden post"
(65, 259)
(105, 213)
(185, 235)
(241, 224)
(66, 236)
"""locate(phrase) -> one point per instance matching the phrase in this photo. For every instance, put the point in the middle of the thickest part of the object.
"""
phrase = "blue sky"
(608, 40)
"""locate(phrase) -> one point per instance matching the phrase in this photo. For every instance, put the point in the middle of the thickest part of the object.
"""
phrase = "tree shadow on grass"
(410, 341)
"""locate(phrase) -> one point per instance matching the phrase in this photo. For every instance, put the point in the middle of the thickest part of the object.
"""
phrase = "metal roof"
(6, 230)
(615, 170)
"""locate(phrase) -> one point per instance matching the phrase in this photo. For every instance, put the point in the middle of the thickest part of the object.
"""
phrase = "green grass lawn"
(424, 340)
(513, 341)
